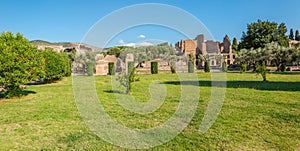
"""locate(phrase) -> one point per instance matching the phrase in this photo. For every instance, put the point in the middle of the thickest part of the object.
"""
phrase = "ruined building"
(209, 48)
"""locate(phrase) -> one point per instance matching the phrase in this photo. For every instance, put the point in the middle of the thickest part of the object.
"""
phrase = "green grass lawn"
(255, 115)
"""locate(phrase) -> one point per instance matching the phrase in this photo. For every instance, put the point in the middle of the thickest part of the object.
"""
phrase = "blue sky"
(70, 20)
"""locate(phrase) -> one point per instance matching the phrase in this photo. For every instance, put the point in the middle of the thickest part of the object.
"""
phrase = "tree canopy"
(20, 63)
(272, 53)
(261, 33)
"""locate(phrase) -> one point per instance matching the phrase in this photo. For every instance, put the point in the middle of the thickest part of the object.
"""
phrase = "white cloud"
(121, 41)
(144, 44)
(129, 44)
(132, 44)
(142, 36)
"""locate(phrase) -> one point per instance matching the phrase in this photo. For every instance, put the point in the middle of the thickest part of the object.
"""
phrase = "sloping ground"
(64, 45)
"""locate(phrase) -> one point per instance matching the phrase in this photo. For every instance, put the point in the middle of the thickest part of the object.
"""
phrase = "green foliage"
(85, 63)
(90, 68)
(173, 67)
(146, 53)
(115, 51)
(126, 80)
(297, 36)
(272, 53)
(20, 63)
(71, 54)
(164, 44)
(57, 66)
(154, 68)
(111, 68)
(190, 67)
(130, 67)
(261, 69)
(235, 45)
(261, 33)
(224, 66)
(291, 36)
(282, 67)
(279, 55)
(206, 66)
(243, 67)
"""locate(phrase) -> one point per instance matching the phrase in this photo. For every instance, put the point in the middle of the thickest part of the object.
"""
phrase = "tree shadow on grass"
(258, 85)
(19, 94)
(114, 91)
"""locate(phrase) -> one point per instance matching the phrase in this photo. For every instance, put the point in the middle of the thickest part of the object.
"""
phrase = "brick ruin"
(211, 48)
(102, 63)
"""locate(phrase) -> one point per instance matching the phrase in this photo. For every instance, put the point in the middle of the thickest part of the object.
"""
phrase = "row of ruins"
(192, 48)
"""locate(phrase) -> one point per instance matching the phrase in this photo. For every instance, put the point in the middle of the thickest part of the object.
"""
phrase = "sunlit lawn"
(255, 115)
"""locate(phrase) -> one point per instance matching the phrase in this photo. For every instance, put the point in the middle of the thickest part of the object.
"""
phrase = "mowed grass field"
(255, 115)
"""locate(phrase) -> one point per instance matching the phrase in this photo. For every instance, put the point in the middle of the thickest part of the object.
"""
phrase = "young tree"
(291, 36)
(20, 63)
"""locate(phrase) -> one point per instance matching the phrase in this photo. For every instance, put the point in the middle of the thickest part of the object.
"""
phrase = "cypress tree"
(297, 36)
(291, 36)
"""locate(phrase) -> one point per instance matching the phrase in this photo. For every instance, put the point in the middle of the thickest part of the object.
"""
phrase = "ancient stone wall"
(102, 63)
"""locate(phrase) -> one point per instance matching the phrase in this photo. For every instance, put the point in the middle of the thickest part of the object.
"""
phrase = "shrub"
(90, 68)
(57, 65)
(191, 67)
(206, 67)
(154, 68)
(111, 68)
(130, 67)
(126, 80)
(243, 67)
(173, 67)
(224, 66)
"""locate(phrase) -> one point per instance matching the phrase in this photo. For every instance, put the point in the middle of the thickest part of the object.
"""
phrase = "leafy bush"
(20, 63)
(130, 67)
(206, 67)
(154, 68)
(224, 66)
(244, 67)
(111, 68)
(191, 67)
(57, 66)
(126, 80)
(173, 67)
(90, 68)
